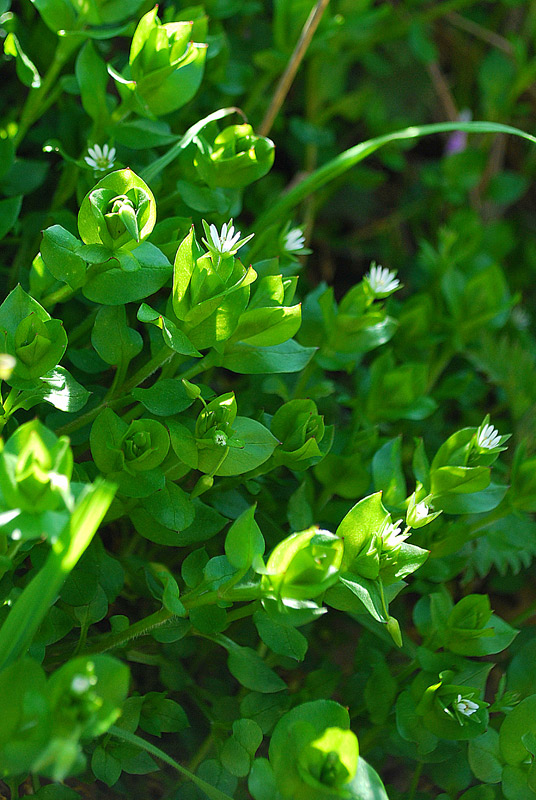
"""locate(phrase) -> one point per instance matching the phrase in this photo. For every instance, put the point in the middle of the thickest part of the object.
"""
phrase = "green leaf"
(58, 15)
(485, 757)
(368, 593)
(9, 213)
(366, 783)
(161, 715)
(171, 507)
(239, 750)
(388, 474)
(472, 503)
(364, 519)
(111, 337)
(26, 69)
(261, 781)
(40, 593)
(258, 446)
(105, 766)
(280, 637)
(59, 252)
(244, 542)
(465, 480)
(165, 398)
(116, 286)
(519, 721)
(265, 709)
(345, 161)
(286, 357)
(249, 669)
(515, 784)
(173, 336)
(62, 391)
(92, 77)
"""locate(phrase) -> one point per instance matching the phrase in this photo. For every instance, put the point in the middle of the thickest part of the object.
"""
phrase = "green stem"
(529, 612)
(89, 416)
(415, 781)
(13, 784)
(345, 161)
(189, 601)
(201, 753)
(82, 328)
(58, 296)
(36, 102)
(141, 375)
(211, 791)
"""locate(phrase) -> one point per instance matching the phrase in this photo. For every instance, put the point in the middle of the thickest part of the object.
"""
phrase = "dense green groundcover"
(267, 536)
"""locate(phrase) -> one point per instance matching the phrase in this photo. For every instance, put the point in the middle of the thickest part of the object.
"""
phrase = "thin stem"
(201, 753)
(141, 375)
(415, 781)
(349, 158)
(189, 601)
(35, 104)
(58, 296)
(210, 790)
(296, 58)
(89, 416)
(529, 612)
(13, 788)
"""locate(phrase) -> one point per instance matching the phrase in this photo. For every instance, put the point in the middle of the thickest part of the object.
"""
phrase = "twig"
(442, 89)
(296, 58)
(480, 32)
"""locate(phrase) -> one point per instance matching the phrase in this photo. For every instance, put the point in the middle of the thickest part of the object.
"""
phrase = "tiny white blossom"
(381, 280)
(391, 534)
(225, 241)
(294, 240)
(520, 318)
(7, 365)
(220, 439)
(100, 158)
(80, 684)
(488, 438)
(464, 706)
(421, 511)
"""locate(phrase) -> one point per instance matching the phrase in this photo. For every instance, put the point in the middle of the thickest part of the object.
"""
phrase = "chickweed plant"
(249, 523)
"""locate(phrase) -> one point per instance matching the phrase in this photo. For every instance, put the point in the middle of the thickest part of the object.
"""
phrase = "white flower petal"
(488, 438)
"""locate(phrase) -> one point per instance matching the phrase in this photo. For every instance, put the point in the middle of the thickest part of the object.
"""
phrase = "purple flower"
(457, 141)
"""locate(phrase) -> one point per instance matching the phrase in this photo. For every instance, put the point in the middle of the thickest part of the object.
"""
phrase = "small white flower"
(7, 365)
(464, 706)
(225, 241)
(81, 683)
(421, 511)
(220, 439)
(391, 534)
(382, 281)
(520, 318)
(100, 158)
(488, 438)
(294, 240)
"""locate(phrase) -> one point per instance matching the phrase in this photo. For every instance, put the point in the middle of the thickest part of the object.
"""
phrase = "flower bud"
(165, 64)
(35, 469)
(235, 158)
(301, 430)
(313, 753)
(119, 212)
(38, 345)
(303, 565)
(451, 711)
